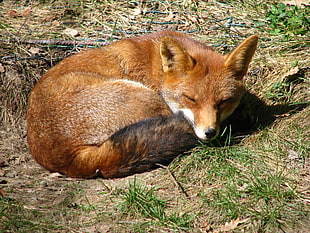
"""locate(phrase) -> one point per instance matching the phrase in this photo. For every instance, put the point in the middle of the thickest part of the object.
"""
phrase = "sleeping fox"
(134, 104)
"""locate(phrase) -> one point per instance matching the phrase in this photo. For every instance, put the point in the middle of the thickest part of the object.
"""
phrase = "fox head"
(204, 85)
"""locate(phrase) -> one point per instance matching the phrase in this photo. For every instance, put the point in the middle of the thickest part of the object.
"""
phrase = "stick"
(177, 183)
(57, 42)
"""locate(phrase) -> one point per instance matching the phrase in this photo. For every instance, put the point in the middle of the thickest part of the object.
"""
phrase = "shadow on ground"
(252, 115)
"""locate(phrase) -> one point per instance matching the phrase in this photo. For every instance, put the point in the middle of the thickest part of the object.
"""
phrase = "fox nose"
(210, 133)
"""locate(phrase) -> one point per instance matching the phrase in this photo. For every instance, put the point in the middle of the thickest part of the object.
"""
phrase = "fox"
(133, 105)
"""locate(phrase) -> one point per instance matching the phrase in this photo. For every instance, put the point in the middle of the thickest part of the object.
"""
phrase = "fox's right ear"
(174, 57)
(238, 61)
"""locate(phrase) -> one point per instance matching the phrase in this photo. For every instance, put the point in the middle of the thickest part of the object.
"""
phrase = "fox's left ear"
(174, 57)
(238, 61)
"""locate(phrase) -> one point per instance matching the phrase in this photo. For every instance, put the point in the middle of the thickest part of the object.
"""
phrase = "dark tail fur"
(137, 148)
(150, 143)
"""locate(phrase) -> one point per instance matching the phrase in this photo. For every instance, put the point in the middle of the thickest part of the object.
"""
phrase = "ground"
(254, 178)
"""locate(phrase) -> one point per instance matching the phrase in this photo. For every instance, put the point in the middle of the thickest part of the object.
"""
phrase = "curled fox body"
(129, 106)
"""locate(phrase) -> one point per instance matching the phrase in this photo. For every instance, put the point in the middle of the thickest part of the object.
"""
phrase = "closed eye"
(223, 102)
(189, 98)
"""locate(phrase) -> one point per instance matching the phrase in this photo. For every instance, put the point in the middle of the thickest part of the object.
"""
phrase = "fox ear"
(238, 61)
(174, 57)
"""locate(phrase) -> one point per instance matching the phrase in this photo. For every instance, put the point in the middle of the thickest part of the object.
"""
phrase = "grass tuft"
(138, 201)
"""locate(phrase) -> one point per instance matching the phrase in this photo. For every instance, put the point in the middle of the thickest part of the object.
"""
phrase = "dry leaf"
(55, 23)
(2, 172)
(292, 155)
(137, 11)
(1, 71)
(26, 12)
(12, 13)
(230, 225)
(71, 32)
(206, 227)
(55, 175)
(291, 72)
(2, 193)
(34, 50)
(103, 228)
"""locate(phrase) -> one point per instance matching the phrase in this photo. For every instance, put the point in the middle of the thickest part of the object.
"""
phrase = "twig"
(36, 57)
(56, 42)
(177, 183)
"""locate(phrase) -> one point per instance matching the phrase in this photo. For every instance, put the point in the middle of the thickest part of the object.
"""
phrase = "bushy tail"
(137, 148)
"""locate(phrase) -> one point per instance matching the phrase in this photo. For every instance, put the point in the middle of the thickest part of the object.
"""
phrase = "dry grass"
(258, 182)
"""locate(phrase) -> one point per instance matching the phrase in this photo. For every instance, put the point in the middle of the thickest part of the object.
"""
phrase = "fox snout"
(210, 133)
(202, 132)
(205, 134)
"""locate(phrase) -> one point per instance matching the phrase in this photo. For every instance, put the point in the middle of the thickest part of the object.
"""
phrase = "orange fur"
(131, 105)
